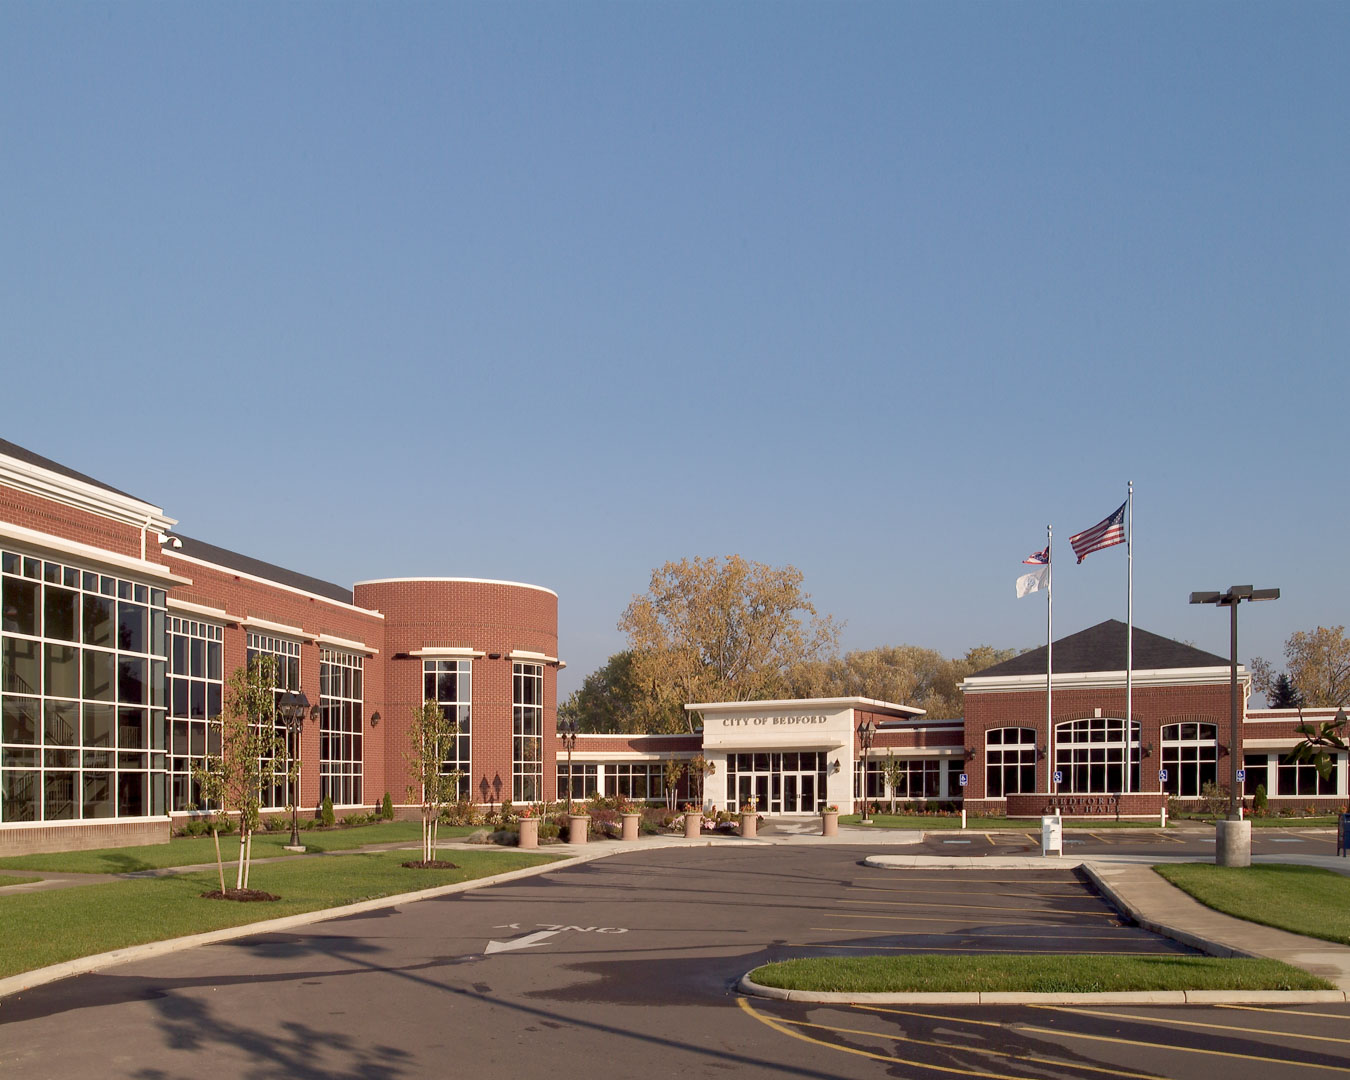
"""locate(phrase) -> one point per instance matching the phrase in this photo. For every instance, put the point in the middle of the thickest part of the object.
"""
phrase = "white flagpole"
(1049, 658)
(1129, 636)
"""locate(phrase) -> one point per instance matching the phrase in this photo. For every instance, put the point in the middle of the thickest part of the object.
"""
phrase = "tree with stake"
(673, 771)
(431, 739)
(250, 747)
(894, 770)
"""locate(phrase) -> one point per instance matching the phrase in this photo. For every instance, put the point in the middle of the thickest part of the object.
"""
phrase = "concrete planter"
(630, 826)
(749, 824)
(829, 823)
(576, 828)
(529, 832)
(693, 825)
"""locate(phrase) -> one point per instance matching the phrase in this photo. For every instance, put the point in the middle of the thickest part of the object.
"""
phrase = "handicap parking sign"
(1242, 775)
(964, 779)
(1162, 775)
(1059, 777)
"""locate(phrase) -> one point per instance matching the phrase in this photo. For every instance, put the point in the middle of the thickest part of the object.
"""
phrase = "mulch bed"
(433, 864)
(244, 896)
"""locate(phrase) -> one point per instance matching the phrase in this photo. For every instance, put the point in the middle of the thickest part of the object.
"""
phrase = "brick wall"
(82, 836)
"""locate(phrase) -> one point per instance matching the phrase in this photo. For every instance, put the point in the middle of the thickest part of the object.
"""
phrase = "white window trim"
(434, 652)
(347, 643)
(151, 573)
(202, 611)
(297, 632)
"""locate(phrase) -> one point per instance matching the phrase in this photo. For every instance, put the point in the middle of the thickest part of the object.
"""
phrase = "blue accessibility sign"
(964, 779)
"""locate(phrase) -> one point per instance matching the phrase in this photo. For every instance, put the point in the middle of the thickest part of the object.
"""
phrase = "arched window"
(1091, 755)
(1190, 754)
(1009, 761)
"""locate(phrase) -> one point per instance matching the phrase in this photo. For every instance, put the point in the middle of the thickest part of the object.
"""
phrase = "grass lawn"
(1302, 899)
(1320, 821)
(16, 879)
(926, 823)
(192, 850)
(1032, 974)
(37, 929)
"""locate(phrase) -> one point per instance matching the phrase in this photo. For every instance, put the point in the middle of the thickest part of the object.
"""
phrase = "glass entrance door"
(786, 783)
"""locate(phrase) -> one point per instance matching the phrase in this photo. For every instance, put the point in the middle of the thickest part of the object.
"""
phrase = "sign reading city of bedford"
(760, 721)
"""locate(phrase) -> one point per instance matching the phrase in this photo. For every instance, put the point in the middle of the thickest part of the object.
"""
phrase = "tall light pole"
(866, 732)
(567, 731)
(1225, 855)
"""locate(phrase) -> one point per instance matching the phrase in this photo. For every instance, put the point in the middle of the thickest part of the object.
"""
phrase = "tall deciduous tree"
(712, 629)
(250, 749)
(613, 699)
(1317, 662)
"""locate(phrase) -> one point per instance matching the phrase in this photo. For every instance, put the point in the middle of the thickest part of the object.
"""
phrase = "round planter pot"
(750, 825)
(576, 828)
(529, 832)
(630, 826)
(829, 823)
(693, 825)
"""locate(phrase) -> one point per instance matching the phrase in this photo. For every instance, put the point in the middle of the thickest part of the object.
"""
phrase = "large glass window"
(585, 780)
(1091, 755)
(196, 685)
(285, 654)
(82, 693)
(1190, 755)
(637, 780)
(527, 732)
(1301, 777)
(1009, 762)
(449, 683)
(340, 704)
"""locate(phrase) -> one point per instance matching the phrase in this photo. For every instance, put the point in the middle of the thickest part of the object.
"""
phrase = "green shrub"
(326, 812)
(387, 808)
(1260, 804)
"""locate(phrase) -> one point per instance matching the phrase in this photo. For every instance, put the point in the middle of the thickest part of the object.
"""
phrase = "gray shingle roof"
(1102, 648)
(14, 450)
(200, 549)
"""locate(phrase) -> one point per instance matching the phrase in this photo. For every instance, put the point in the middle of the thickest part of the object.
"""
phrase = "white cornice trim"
(464, 580)
(817, 704)
(1269, 744)
(434, 652)
(1091, 680)
(617, 756)
(58, 488)
(202, 611)
(40, 542)
(274, 584)
(532, 657)
(254, 623)
(633, 735)
(347, 643)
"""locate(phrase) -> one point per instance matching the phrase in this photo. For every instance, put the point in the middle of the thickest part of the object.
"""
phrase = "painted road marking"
(984, 907)
(781, 1026)
(1065, 1033)
(541, 936)
(1170, 1022)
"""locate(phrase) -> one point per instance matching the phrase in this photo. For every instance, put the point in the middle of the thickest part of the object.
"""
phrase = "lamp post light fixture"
(567, 731)
(1231, 599)
(294, 707)
(867, 731)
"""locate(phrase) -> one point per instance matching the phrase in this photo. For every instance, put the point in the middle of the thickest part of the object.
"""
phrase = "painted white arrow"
(526, 942)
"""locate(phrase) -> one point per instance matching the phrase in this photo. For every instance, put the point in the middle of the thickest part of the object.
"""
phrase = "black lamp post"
(866, 732)
(1230, 599)
(294, 707)
(567, 731)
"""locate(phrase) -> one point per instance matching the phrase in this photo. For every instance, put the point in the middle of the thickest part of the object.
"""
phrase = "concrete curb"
(1142, 997)
(26, 980)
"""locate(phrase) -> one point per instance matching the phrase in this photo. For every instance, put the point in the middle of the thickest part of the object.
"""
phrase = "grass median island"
(17, 879)
(1301, 899)
(1035, 974)
(38, 929)
(195, 850)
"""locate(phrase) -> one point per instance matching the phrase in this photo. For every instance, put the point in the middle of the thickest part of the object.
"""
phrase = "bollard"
(963, 817)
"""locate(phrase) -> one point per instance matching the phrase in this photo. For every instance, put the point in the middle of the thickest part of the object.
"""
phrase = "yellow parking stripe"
(1273, 1011)
(783, 1028)
(1064, 1033)
(1170, 1022)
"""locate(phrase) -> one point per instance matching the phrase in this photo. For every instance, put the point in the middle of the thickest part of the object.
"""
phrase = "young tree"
(894, 769)
(430, 741)
(250, 748)
(673, 771)
(711, 629)
(1317, 662)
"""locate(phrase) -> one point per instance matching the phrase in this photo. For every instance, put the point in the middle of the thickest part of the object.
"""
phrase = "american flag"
(1106, 533)
(1040, 558)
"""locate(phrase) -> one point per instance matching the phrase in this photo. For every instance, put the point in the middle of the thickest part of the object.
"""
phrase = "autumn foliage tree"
(718, 629)
(1317, 663)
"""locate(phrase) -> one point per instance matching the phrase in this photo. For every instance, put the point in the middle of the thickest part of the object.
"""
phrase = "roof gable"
(1102, 648)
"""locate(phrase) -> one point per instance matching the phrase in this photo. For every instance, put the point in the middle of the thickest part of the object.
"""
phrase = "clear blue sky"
(556, 292)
